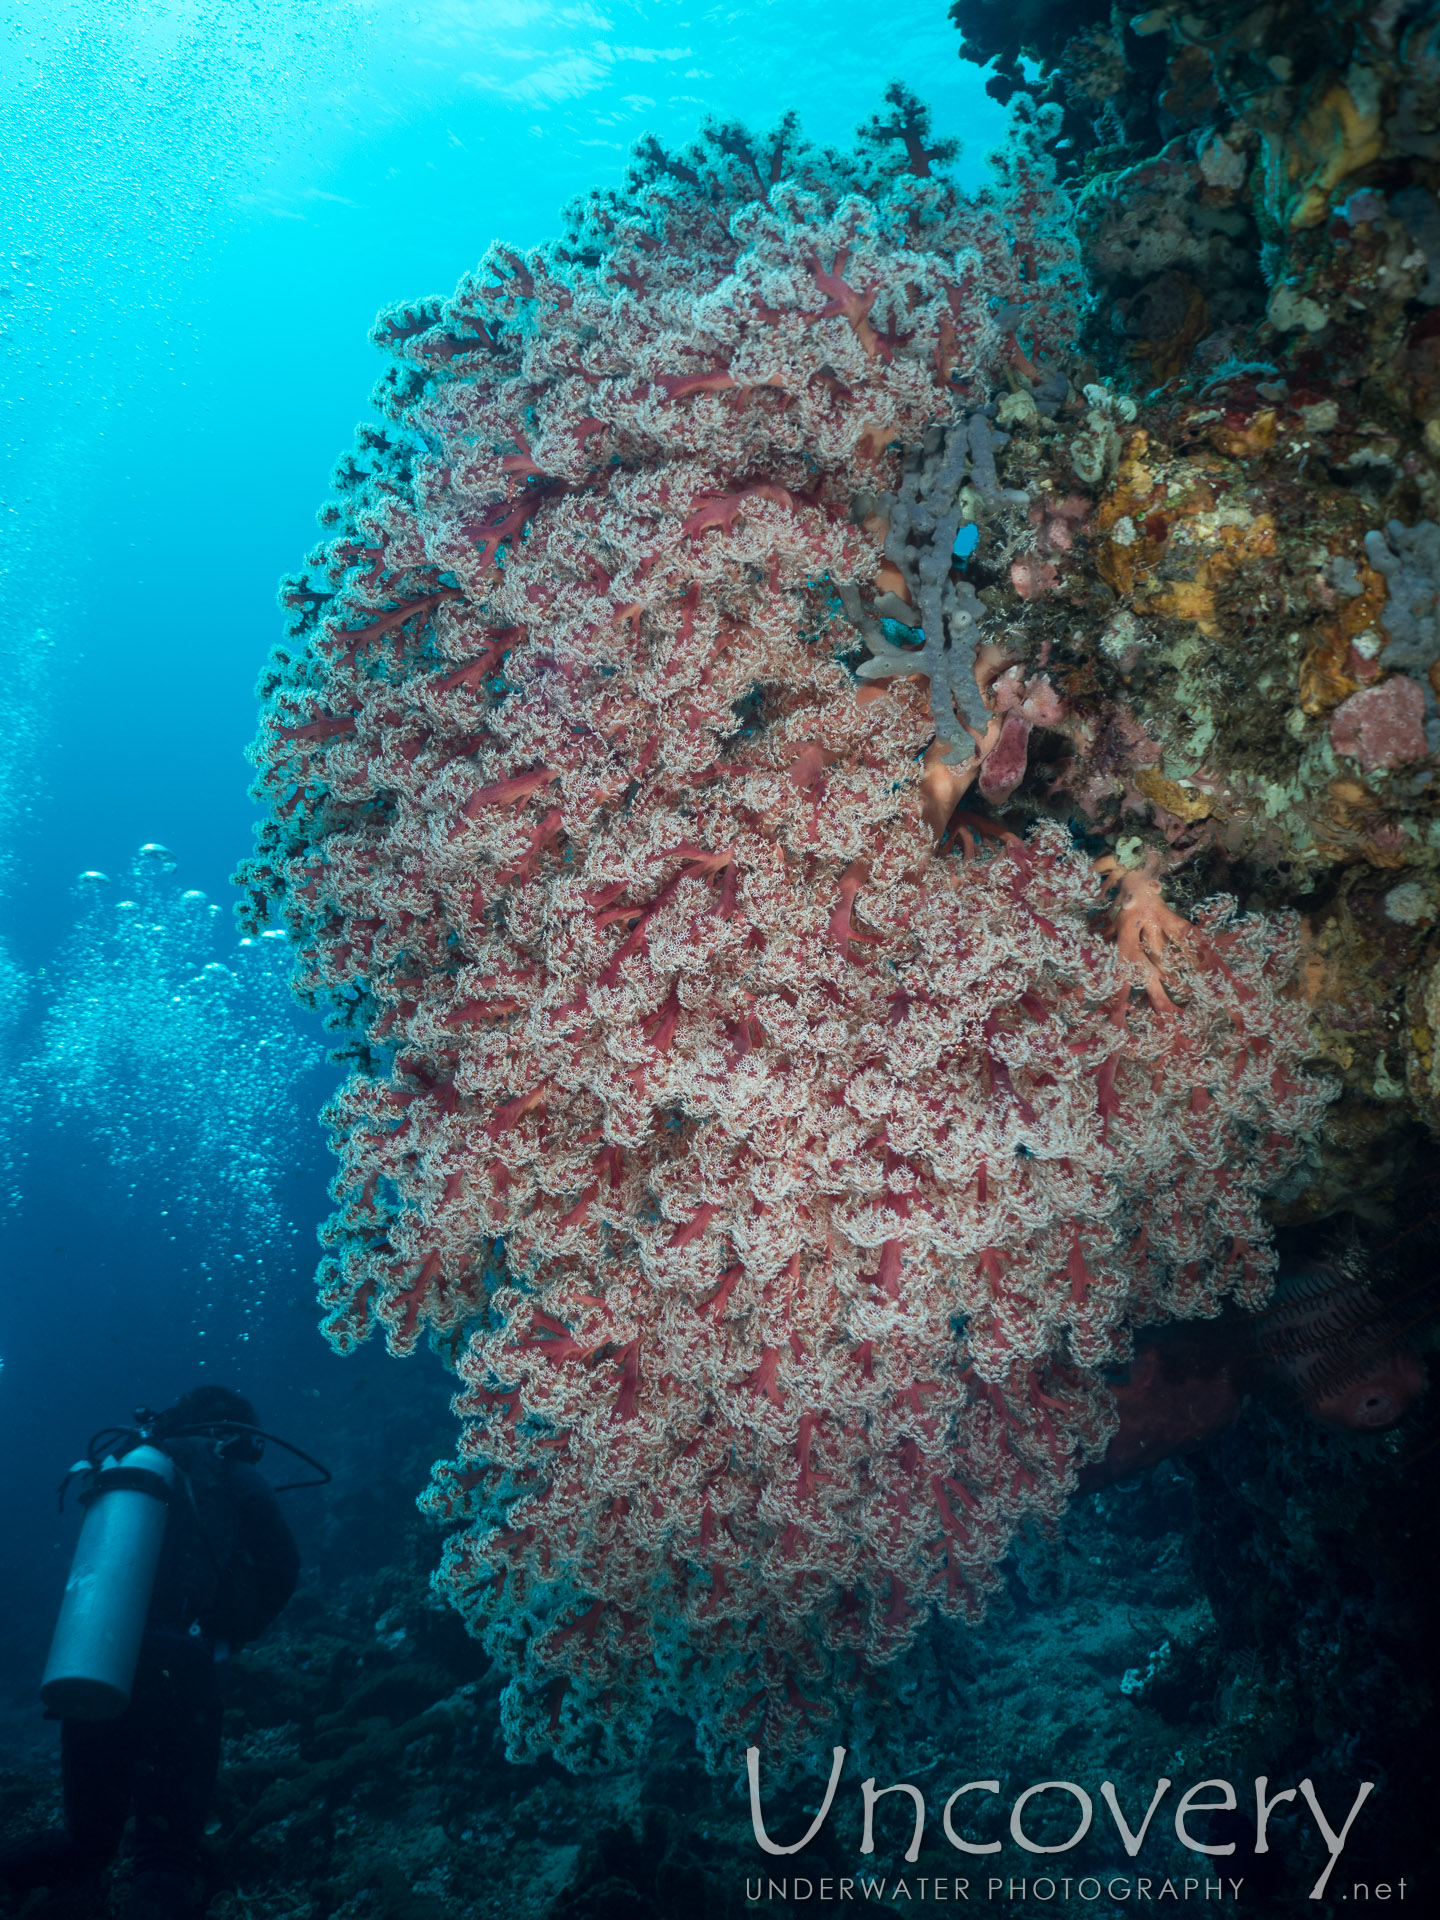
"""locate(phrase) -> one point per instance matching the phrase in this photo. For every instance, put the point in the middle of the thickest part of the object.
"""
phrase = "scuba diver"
(219, 1566)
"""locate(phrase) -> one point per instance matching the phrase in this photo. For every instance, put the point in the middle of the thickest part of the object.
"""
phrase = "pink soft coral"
(777, 1185)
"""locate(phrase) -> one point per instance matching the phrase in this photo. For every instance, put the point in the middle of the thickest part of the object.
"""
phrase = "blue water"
(205, 206)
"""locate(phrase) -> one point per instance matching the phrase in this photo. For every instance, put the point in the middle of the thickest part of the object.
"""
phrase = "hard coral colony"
(778, 1180)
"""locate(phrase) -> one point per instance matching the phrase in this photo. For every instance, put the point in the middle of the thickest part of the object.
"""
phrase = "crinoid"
(1341, 1331)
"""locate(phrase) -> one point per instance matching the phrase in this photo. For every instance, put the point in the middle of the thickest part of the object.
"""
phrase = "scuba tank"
(93, 1655)
(133, 1476)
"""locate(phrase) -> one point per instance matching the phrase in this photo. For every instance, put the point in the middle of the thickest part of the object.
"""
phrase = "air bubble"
(185, 1071)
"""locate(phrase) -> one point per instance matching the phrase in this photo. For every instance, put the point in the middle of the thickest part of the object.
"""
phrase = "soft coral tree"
(777, 1183)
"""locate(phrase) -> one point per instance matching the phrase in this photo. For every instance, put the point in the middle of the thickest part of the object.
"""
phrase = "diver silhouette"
(227, 1563)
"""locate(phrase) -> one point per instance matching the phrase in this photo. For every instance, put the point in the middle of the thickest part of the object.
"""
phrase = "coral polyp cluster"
(780, 1168)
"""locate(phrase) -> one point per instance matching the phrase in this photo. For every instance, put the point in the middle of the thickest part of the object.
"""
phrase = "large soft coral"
(778, 1183)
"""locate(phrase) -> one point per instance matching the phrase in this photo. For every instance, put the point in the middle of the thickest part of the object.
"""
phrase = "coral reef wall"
(1240, 609)
(779, 1150)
